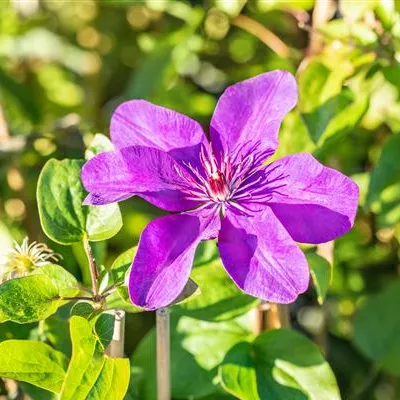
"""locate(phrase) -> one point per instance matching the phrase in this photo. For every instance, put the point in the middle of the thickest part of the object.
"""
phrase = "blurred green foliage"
(65, 65)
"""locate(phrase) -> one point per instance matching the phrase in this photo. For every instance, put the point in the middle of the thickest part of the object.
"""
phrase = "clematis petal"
(262, 258)
(138, 122)
(165, 255)
(136, 170)
(314, 203)
(250, 113)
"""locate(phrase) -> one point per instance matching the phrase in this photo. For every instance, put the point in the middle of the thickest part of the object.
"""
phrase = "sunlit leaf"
(60, 196)
(91, 374)
(28, 299)
(66, 283)
(33, 362)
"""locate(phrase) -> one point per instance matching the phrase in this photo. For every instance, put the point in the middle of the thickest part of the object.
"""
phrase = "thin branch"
(92, 299)
(262, 33)
(94, 275)
(321, 14)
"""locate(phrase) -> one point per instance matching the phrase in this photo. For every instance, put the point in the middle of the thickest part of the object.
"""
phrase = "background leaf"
(321, 274)
(220, 299)
(197, 348)
(270, 369)
(377, 327)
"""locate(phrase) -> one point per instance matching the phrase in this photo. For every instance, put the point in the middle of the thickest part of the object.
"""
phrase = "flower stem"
(94, 275)
(163, 354)
(116, 347)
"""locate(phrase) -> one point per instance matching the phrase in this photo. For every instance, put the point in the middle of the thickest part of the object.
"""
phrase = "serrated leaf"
(63, 217)
(33, 362)
(91, 375)
(321, 274)
(278, 365)
(28, 299)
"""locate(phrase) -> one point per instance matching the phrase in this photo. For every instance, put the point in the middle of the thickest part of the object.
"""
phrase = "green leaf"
(290, 143)
(28, 299)
(22, 94)
(327, 109)
(156, 65)
(321, 274)
(386, 171)
(60, 195)
(121, 265)
(337, 116)
(278, 365)
(281, 4)
(83, 309)
(120, 299)
(197, 348)
(103, 222)
(36, 393)
(219, 299)
(65, 282)
(355, 10)
(33, 362)
(56, 333)
(104, 329)
(91, 375)
(377, 328)
(63, 217)
(359, 33)
(317, 84)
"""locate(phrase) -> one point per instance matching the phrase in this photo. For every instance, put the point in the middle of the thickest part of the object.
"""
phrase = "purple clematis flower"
(221, 190)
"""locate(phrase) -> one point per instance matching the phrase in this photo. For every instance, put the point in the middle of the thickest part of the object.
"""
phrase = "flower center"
(218, 187)
(235, 178)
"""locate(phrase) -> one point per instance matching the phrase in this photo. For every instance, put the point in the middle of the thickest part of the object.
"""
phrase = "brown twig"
(323, 11)
(262, 33)
(4, 132)
(94, 275)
